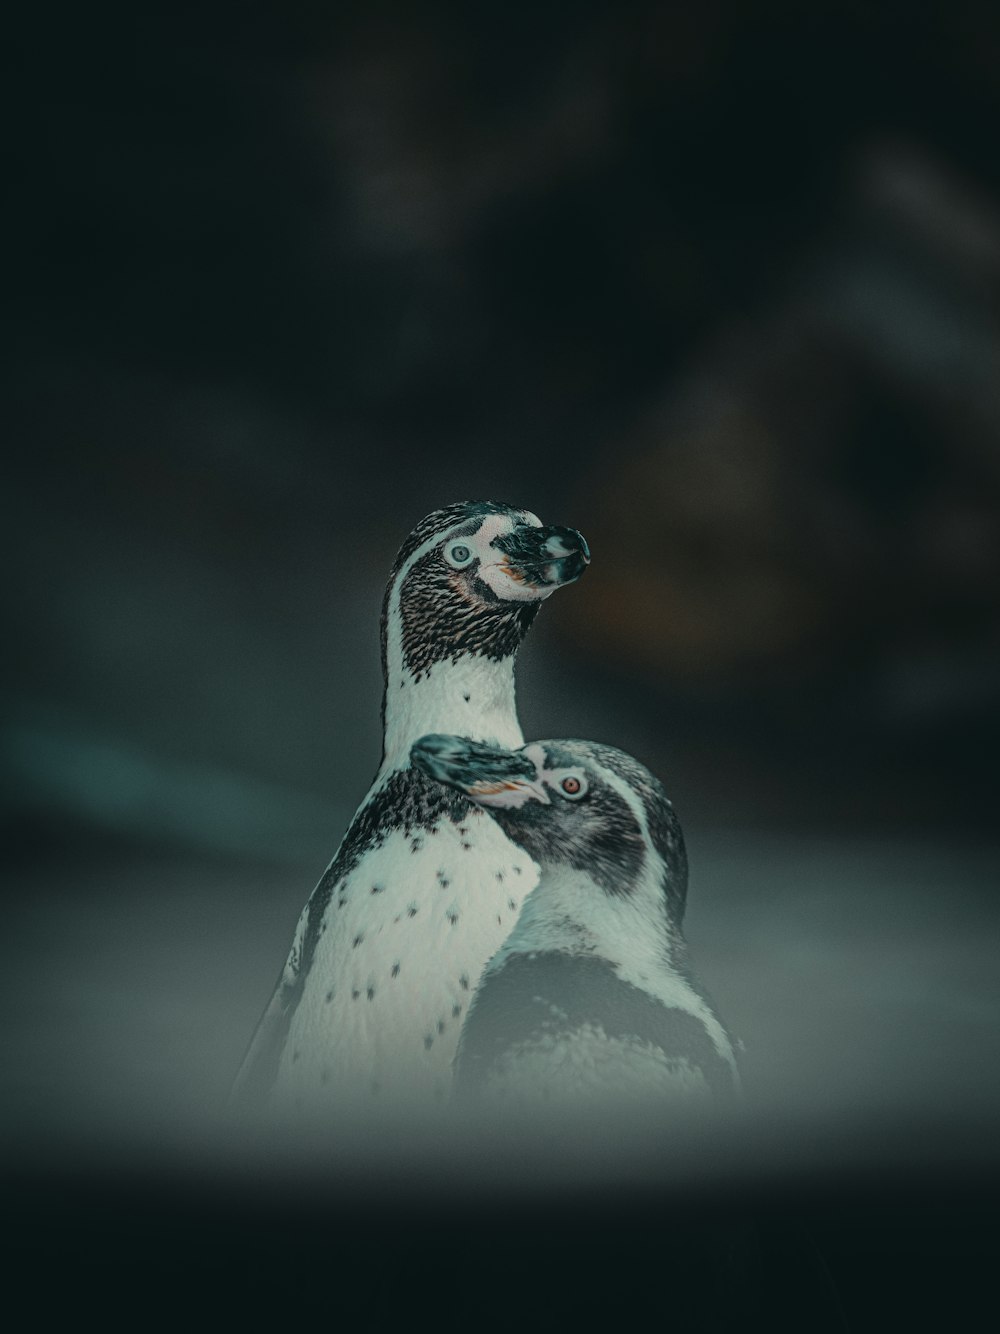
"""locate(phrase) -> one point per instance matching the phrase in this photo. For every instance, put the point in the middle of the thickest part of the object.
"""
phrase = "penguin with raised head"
(591, 1002)
(424, 887)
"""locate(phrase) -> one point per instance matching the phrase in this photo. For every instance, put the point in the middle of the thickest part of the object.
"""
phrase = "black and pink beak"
(546, 557)
(487, 775)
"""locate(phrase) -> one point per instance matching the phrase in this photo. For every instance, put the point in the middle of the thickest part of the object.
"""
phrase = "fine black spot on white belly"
(408, 801)
(362, 957)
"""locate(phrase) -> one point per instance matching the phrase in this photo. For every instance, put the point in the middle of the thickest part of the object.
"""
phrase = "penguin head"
(470, 579)
(572, 804)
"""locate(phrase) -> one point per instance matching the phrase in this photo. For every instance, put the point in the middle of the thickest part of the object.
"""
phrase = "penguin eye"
(458, 554)
(573, 785)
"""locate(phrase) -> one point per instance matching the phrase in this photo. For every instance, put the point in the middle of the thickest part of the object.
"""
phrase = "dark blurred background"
(719, 285)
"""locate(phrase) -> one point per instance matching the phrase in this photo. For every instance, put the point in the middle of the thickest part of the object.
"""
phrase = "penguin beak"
(485, 774)
(543, 559)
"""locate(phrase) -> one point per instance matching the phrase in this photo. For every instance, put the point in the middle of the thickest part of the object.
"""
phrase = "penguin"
(424, 886)
(591, 1003)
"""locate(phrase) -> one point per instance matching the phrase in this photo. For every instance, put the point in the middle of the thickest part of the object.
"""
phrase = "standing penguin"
(590, 1003)
(424, 887)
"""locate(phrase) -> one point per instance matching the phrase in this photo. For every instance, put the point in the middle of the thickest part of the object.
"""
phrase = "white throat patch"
(474, 696)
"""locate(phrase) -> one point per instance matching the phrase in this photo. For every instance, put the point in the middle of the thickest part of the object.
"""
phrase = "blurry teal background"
(716, 284)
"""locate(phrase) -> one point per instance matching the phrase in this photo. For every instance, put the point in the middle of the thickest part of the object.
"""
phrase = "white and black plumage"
(591, 1000)
(424, 886)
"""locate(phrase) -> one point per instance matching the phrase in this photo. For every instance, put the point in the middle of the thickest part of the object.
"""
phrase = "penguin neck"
(570, 913)
(473, 697)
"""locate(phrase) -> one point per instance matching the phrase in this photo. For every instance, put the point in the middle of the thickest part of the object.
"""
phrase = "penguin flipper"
(259, 1067)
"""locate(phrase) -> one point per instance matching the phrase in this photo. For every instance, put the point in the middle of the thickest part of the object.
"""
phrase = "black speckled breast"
(408, 801)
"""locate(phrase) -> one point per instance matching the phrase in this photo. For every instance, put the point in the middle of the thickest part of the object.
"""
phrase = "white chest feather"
(398, 952)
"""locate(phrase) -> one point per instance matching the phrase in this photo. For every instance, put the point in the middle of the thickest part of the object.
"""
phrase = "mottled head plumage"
(573, 803)
(468, 580)
(441, 522)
